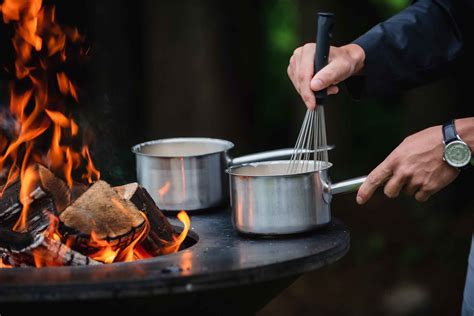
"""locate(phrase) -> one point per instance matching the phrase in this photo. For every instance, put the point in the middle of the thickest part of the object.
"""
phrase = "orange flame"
(105, 253)
(91, 170)
(3, 265)
(37, 105)
(109, 253)
(174, 246)
(128, 253)
(28, 181)
(38, 98)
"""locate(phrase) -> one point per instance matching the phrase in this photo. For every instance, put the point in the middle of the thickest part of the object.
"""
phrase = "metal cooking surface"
(221, 258)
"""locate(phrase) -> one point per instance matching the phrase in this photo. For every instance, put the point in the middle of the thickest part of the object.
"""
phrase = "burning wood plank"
(38, 214)
(56, 187)
(100, 213)
(22, 249)
(50, 195)
(161, 232)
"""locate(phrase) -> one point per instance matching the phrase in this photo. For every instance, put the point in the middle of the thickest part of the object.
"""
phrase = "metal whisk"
(312, 140)
(311, 143)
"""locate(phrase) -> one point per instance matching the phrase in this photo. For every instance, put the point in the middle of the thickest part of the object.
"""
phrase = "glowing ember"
(106, 252)
(2, 265)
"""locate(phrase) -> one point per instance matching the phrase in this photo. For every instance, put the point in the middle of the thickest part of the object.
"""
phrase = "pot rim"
(136, 149)
(231, 170)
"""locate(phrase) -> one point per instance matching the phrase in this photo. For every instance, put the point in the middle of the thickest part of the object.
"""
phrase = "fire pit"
(70, 238)
(222, 271)
(55, 210)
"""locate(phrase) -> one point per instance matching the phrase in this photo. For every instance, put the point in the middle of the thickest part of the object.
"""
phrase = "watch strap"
(449, 132)
(468, 166)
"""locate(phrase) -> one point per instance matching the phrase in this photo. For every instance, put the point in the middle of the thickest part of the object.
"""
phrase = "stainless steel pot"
(266, 200)
(189, 173)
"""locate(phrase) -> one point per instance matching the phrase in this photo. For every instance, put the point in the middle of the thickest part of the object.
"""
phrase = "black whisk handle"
(325, 22)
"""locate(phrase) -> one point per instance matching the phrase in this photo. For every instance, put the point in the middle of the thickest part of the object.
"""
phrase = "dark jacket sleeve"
(412, 48)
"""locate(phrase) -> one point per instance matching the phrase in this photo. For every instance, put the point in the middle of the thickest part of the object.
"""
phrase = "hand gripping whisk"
(312, 140)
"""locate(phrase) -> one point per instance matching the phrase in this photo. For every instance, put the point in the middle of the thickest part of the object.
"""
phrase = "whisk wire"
(311, 141)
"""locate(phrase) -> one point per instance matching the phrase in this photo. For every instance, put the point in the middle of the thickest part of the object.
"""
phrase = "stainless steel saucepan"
(189, 173)
(267, 201)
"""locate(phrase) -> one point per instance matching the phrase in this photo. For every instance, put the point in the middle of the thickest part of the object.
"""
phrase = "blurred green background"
(218, 69)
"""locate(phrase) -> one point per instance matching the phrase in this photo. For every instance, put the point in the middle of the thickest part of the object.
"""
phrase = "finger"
(291, 75)
(422, 196)
(293, 61)
(393, 186)
(305, 72)
(333, 90)
(374, 180)
(411, 188)
(333, 73)
(291, 70)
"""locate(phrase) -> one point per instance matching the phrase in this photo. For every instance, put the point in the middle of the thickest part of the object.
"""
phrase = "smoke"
(9, 126)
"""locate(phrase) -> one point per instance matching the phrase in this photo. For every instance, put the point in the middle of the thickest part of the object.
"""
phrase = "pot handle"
(268, 155)
(262, 156)
(347, 186)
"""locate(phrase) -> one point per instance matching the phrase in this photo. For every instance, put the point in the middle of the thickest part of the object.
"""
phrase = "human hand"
(343, 62)
(416, 166)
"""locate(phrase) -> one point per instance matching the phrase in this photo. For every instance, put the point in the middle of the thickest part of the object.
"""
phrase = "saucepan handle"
(262, 156)
(268, 155)
(347, 186)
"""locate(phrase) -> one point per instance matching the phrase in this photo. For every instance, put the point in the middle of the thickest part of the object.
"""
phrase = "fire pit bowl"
(222, 271)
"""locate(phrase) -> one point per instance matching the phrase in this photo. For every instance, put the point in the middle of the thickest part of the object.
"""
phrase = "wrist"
(465, 130)
(357, 56)
(458, 139)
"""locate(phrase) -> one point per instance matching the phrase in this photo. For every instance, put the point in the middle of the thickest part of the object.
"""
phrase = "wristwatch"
(456, 152)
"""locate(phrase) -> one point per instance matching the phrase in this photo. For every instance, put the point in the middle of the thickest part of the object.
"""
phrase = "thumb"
(330, 75)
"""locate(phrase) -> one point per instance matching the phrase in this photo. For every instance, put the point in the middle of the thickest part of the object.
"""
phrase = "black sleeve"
(412, 48)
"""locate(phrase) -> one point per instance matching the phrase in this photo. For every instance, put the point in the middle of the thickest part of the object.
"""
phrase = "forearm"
(465, 130)
(413, 47)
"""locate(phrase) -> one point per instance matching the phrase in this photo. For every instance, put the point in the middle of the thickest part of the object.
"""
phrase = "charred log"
(22, 249)
(78, 189)
(42, 206)
(56, 187)
(50, 195)
(161, 232)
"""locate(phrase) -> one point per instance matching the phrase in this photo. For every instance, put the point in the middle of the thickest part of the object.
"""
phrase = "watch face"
(457, 154)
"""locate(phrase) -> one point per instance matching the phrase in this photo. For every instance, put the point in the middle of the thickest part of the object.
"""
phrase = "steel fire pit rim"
(221, 258)
(139, 288)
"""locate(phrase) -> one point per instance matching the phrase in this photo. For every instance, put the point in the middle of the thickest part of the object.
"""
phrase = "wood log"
(39, 212)
(49, 195)
(102, 212)
(78, 189)
(22, 249)
(56, 187)
(161, 232)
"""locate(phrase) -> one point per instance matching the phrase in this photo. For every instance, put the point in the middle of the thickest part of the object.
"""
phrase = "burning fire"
(109, 253)
(38, 97)
(174, 246)
(45, 133)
